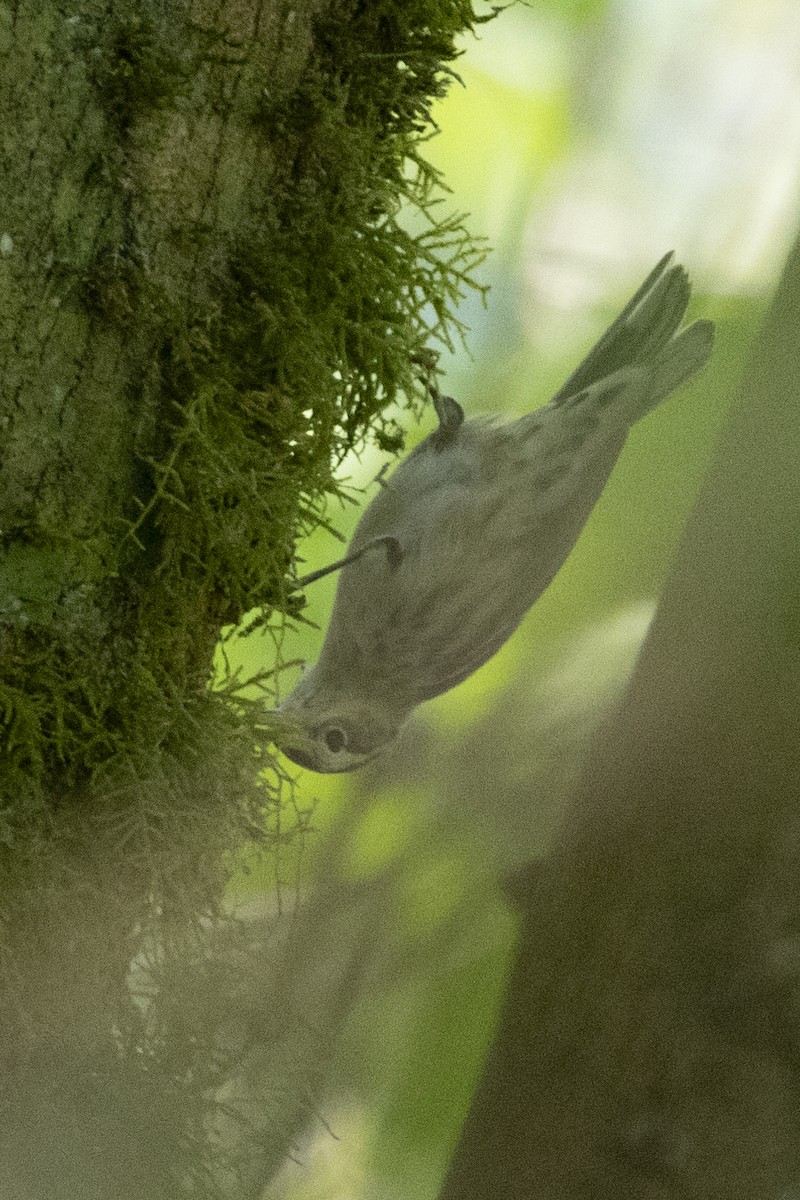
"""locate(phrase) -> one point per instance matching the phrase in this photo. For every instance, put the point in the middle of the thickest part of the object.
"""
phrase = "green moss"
(232, 398)
(307, 324)
(6, 29)
(208, 341)
(132, 66)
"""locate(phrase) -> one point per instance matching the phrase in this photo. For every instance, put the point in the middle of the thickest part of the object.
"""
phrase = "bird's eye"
(335, 740)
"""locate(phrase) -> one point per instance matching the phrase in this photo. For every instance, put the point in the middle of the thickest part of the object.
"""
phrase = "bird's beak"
(290, 736)
(301, 757)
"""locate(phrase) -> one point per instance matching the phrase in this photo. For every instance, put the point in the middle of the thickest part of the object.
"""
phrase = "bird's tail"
(647, 334)
(680, 359)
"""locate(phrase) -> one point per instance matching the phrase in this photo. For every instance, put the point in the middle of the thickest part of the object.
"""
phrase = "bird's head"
(331, 732)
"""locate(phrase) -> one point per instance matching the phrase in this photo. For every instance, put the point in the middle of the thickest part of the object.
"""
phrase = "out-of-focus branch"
(649, 1041)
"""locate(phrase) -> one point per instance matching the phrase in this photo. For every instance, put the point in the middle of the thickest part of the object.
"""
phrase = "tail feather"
(646, 334)
(652, 324)
(681, 358)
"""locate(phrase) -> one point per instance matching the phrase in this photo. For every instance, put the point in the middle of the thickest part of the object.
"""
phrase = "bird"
(469, 530)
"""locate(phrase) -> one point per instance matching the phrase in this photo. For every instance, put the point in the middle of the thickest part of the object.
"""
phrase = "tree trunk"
(205, 299)
(649, 1041)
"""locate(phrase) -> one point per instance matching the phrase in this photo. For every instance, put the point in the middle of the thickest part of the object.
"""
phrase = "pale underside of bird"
(469, 530)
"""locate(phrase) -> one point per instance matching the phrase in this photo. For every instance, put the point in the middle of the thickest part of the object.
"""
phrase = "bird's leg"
(394, 556)
(451, 417)
(448, 410)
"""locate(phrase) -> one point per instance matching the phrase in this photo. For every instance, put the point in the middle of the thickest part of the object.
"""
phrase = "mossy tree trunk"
(206, 297)
(649, 1044)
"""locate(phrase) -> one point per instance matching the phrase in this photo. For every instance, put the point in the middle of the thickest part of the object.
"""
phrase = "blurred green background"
(587, 140)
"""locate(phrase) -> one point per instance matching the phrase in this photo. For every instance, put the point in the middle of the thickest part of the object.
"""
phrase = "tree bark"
(206, 298)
